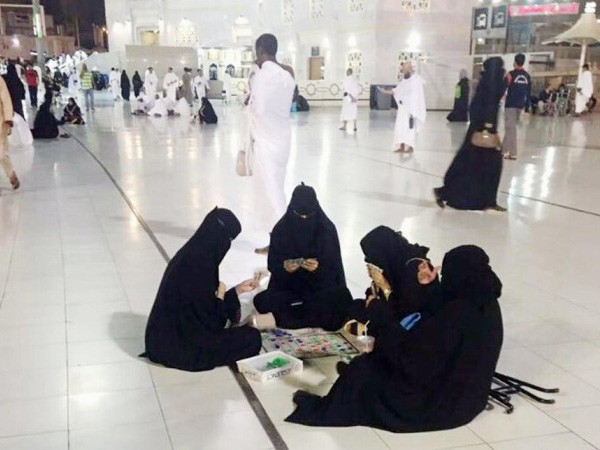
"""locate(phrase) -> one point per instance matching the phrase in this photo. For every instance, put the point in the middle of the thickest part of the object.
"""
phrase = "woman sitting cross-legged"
(45, 125)
(307, 286)
(186, 329)
(434, 376)
(72, 113)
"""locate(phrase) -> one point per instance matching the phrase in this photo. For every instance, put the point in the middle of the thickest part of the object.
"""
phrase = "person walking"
(125, 86)
(351, 90)
(33, 81)
(16, 89)
(6, 121)
(87, 85)
(271, 130)
(518, 97)
(137, 82)
(585, 90)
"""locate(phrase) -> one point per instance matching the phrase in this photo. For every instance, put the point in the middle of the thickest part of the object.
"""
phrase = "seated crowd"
(437, 339)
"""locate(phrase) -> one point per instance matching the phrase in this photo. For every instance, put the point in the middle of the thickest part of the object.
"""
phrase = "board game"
(308, 346)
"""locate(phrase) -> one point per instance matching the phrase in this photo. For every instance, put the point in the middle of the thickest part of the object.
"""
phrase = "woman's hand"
(246, 286)
(379, 280)
(221, 290)
(291, 266)
(426, 275)
(310, 265)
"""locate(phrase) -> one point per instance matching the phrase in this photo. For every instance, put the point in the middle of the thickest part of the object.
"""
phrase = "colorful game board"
(308, 346)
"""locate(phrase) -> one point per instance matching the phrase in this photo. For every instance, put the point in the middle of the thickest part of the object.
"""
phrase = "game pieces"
(308, 346)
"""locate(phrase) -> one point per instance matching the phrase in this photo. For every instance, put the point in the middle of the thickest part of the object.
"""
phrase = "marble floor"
(78, 275)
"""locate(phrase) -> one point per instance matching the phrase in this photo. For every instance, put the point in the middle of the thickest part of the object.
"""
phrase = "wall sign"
(490, 22)
(552, 9)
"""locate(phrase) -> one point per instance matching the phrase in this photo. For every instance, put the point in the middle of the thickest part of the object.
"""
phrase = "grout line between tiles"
(264, 419)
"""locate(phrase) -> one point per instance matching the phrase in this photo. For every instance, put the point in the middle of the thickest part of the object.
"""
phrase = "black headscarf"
(212, 240)
(303, 231)
(124, 79)
(467, 275)
(390, 251)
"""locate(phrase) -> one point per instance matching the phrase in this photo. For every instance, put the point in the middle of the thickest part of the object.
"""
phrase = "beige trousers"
(4, 158)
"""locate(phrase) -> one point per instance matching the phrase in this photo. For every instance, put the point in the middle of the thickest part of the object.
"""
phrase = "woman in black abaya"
(312, 292)
(460, 112)
(436, 376)
(16, 89)
(207, 112)
(186, 329)
(125, 86)
(473, 178)
(404, 282)
(45, 125)
(137, 82)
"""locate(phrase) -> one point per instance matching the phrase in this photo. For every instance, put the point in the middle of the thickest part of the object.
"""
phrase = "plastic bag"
(21, 134)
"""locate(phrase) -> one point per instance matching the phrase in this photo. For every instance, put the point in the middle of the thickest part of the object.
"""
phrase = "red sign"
(552, 9)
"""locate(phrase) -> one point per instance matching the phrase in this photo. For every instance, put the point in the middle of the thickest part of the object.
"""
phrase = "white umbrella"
(585, 32)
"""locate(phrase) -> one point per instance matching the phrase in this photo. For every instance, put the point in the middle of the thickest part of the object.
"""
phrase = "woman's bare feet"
(400, 149)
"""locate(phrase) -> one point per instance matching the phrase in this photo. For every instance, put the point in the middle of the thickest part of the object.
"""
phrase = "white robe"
(150, 83)
(182, 108)
(350, 102)
(159, 109)
(143, 103)
(227, 86)
(114, 81)
(410, 96)
(74, 84)
(200, 86)
(585, 90)
(271, 130)
(170, 85)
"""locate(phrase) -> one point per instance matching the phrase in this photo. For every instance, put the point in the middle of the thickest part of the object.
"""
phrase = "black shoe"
(438, 198)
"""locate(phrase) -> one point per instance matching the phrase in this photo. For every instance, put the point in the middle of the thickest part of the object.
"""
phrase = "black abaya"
(16, 89)
(472, 179)
(207, 112)
(137, 82)
(460, 112)
(399, 260)
(125, 86)
(45, 125)
(305, 299)
(186, 329)
(435, 377)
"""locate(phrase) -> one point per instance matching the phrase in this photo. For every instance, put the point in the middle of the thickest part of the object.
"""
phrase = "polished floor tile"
(78, 276)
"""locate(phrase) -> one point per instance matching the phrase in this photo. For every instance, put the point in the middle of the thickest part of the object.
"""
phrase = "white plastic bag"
(21, 134)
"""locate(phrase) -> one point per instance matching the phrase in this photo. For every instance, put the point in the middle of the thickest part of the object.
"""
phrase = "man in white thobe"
(160, 107)
(150, 82)
(114, 81)
(271, 129)
(351, 90)
(410, 97)
(200, 85)
(170, 84)
(227, 86)
(74, 83)
(585, 90)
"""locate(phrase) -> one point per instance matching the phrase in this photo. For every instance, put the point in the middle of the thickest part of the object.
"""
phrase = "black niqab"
(467, 275)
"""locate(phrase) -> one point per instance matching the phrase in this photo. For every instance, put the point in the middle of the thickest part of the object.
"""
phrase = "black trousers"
(33, 91)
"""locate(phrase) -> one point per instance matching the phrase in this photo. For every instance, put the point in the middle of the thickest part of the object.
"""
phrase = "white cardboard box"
(255, 367)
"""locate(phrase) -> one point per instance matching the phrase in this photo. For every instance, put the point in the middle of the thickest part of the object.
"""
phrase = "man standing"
(171, 84)
(114, 81)
(270, 105)
(186, 86)
(410, 97)
(585, 90)
(6, 124)
(351, 90)
(33, 81)
(518, 95)
(150, 83)
(200, 85)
